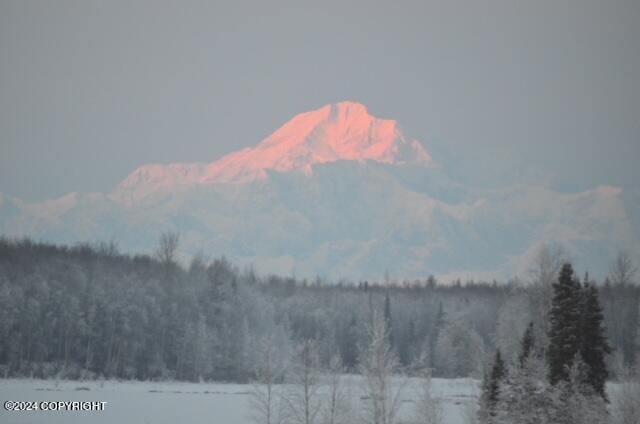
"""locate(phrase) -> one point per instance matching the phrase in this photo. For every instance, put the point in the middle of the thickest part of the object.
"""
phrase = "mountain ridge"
(338, 131)
(352, 198)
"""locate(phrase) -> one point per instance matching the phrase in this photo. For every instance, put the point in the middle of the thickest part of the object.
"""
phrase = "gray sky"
(538, 90)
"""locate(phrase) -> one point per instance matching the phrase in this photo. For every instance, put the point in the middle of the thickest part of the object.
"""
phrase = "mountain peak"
(334, 132)
(348, 108)
(339, 131)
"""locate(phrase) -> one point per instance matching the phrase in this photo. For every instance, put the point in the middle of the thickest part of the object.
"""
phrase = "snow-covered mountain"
(342, 131)
(337, 192)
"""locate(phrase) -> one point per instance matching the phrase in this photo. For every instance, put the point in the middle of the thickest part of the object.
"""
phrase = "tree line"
(90, 311)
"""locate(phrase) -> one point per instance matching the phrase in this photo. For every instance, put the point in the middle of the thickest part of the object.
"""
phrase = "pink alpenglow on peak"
(341, 131)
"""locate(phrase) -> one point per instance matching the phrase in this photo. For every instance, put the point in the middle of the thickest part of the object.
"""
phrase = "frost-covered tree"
(266, 401)
(513, 319)
(459, 349)
(526, 397)
(303, 398)
(544, 271)
(337, 406)
(428, 409)
(378, 363)
(626, 401)
(582, 404)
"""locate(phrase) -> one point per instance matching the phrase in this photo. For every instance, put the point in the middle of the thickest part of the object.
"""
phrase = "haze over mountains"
(338, 193)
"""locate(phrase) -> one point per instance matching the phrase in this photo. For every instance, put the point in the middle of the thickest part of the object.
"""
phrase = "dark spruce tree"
(527, 345)
(439, 323)
(387, 310)
(564, 341)
(594, 346)
(387, 319)
(498, 373)
(491, 389)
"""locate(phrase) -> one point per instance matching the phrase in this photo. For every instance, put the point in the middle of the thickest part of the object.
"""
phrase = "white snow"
(175, 402)
(187, 403)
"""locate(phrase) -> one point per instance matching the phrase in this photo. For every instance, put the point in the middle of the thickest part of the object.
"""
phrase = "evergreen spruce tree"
(387, 319)
(483, 411)
(349, 345)
(564, 340)
(498, 373)
(491, 389)
(594, 346)
(527, 345)
(387, 310)
(435, 333)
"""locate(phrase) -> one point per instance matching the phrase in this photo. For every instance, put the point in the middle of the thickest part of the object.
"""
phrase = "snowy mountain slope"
(337, 193)
(341, 131)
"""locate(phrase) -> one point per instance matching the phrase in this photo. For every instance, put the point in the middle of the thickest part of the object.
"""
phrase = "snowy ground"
(172, 402)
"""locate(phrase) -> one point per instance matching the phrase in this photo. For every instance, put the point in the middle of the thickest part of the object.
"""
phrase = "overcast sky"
(541, 90)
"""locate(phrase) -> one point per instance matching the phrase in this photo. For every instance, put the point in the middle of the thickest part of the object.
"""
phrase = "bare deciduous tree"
(623, 270)
(428, 409)
(627, 398)
(265, 398)
(544, 272)
(303, 401)
(168, 247)
(337, 407)
(378, 363)
(621, 307)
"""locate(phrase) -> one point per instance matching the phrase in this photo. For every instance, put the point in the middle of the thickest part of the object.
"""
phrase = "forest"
(89, 311)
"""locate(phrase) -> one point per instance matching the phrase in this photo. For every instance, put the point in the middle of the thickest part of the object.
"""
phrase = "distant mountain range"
(338, 193)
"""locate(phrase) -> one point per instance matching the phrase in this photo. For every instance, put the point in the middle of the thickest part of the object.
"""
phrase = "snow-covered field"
(184, 403)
